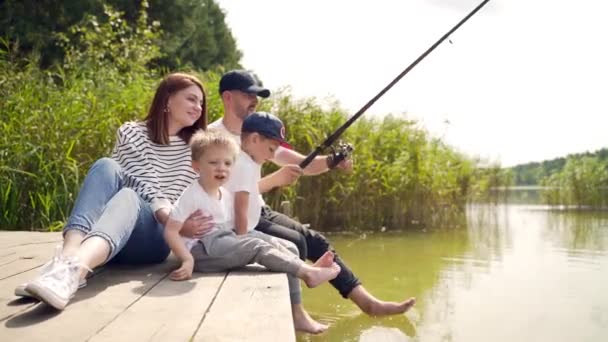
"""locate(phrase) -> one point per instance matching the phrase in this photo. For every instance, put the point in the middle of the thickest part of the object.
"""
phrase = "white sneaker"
(57, 286)
(20, 289)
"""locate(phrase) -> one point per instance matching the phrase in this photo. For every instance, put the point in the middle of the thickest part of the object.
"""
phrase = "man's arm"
(290, 170)
(285, 156)
(241, 206)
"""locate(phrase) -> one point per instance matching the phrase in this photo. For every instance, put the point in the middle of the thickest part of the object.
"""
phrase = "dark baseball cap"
(244, 81)
(267, 125)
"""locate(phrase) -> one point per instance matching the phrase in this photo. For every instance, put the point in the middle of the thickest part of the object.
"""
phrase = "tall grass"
(53, 126)
(54, 123)
(402, 176)
(583, 182)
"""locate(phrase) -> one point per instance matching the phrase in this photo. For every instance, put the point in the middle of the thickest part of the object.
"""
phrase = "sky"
(521, 81)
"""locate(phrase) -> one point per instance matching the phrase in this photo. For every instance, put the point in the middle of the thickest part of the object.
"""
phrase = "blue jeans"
(117, 214)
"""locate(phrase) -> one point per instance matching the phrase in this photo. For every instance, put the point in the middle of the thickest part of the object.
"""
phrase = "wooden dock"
(141, 303)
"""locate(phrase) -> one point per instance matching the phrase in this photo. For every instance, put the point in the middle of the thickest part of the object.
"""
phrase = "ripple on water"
(385, 334)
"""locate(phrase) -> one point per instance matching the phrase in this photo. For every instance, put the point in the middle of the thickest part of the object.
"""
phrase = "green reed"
(402, 176)
(583, 182)
(55, 123)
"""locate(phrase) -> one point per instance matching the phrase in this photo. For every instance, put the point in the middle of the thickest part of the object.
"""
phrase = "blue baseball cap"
(244, 81)
(267, 125)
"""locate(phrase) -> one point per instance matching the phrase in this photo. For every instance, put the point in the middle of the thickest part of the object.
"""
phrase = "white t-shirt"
(219, 124)
(245, 175)
(195, 197)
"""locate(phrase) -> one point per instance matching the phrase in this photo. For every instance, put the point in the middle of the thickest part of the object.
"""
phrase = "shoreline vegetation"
(58, 119)
(575, 181)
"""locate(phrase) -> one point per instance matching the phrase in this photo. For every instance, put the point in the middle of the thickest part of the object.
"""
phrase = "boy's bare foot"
(303, 322)
(375, 307)
(315, 276)
(326, 260)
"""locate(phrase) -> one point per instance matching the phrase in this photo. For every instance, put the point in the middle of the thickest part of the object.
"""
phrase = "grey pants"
(223, 250)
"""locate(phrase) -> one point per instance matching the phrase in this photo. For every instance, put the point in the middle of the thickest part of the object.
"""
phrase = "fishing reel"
(338, 153)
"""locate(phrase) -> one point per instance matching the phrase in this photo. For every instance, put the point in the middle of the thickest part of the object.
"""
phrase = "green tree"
(31, 24)
(533, 173)
(194, 32)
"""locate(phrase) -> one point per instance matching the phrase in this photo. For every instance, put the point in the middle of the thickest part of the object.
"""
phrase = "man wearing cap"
(239, 90)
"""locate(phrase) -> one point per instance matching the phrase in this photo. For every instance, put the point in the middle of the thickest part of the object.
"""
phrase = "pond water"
(511, 272)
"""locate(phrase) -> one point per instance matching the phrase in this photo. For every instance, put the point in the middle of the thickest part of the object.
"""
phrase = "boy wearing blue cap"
(262, 134)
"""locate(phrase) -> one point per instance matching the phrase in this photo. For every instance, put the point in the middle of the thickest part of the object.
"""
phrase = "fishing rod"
(333, 137)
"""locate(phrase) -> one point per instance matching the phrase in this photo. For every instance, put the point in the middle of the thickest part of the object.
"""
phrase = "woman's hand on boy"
(184, 272)
(197, 225)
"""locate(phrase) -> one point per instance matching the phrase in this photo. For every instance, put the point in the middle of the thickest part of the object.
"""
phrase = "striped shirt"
(158, 173)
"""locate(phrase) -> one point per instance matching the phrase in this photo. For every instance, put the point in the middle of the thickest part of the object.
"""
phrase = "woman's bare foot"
(375, 307)
(303, 322)
(326, 260)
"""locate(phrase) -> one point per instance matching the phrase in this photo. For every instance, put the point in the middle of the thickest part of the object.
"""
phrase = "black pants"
(311, 245)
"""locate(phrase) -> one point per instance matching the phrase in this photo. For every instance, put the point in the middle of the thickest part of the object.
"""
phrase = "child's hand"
(289, 174)
(184, 272)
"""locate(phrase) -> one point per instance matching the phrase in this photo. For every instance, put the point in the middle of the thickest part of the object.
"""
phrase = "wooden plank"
(24, 261)
(171, 311)
(93, 307)
(14, 238)
(250, 307)
(25, 258)
(11, 304)
(6, 256)
(24, 251)
(135, 303)
(27, 255)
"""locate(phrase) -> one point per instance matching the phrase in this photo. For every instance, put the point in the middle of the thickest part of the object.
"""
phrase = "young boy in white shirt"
(262, 133)
(213, 155)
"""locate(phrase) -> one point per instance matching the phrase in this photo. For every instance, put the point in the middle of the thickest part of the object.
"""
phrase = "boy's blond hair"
(202, 140)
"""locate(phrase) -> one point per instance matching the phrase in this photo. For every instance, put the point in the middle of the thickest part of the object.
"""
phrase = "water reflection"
(517, 195)
(579, 232)
(513, 272)
(359, 327)
(376, 333)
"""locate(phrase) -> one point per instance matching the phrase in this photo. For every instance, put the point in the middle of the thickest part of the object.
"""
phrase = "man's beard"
(243, 114)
